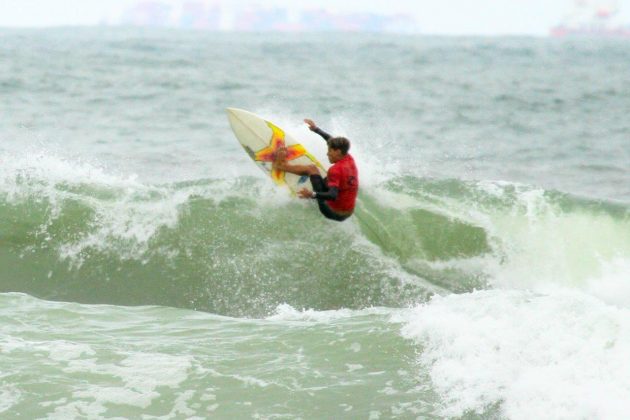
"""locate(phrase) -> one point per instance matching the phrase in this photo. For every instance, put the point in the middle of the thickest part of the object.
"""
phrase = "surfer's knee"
(312, 170)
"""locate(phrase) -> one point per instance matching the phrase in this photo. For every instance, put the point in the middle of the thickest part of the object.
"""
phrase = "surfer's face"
(334, 155)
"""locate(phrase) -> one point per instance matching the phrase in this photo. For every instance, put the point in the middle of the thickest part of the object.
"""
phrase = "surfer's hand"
(310, 123)
(305, 193)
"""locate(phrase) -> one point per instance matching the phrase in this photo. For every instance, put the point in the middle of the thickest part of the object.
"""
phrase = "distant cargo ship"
(592, 19)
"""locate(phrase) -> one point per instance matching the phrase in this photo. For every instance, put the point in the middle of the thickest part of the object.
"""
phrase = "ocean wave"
(240, 246)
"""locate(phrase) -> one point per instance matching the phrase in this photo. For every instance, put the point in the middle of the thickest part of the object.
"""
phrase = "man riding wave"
(336, 194)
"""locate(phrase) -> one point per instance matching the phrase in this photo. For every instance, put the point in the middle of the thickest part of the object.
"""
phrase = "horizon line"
(274, 31)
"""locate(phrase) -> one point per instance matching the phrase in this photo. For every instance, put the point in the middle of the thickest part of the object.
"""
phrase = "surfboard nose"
(235, 111)
(236, 117)
(230, 112)
(239, 116)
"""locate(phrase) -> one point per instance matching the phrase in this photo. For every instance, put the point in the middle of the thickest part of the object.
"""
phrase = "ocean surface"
(149, 270)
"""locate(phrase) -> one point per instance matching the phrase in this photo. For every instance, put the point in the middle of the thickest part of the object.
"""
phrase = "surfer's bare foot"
(280, 160)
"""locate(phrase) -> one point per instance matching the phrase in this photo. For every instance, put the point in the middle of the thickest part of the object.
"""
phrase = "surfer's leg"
(280, 163)
(328, 213)
(319, 185)
(297, 169)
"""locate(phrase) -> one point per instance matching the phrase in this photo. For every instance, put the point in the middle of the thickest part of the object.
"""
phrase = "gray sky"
(480, 17)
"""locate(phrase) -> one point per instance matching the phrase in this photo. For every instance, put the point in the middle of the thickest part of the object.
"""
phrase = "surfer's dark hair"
(339, 143)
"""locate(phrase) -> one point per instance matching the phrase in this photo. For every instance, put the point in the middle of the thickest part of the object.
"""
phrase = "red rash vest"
(344, 176)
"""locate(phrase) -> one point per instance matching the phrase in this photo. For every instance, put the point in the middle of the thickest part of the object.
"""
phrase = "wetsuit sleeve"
(333, 182)
(322, 133)
(331, 194)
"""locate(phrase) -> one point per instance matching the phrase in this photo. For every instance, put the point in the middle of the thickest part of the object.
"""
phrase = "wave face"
(71, 231)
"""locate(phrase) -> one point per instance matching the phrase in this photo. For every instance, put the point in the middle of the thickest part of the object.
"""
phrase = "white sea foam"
(613, 285)
(10, 395)
(141, 375)
(286, 312)
(66, 351)
(561, 355)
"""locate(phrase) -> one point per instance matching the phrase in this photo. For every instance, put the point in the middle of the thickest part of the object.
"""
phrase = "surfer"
(337, 193)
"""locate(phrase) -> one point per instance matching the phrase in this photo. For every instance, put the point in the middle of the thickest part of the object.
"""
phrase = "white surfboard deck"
(261, 138)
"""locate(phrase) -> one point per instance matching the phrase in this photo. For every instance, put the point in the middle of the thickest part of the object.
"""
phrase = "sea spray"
(523, 354)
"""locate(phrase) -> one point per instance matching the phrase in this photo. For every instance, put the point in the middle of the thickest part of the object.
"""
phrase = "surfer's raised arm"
(314, 128)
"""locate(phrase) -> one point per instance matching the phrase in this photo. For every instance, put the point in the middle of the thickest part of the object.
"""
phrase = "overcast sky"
(481, 17)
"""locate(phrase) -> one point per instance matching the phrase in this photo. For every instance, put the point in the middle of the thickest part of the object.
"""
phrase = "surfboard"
(261, 138)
